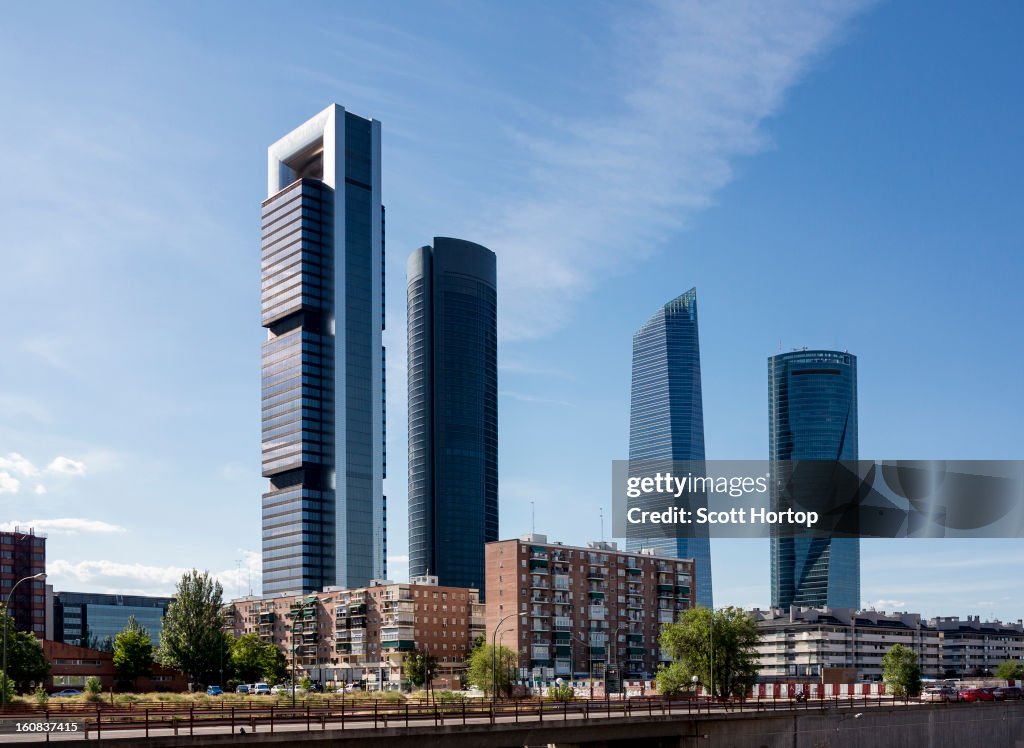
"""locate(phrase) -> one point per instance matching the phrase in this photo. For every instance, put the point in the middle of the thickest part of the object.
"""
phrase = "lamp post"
(711, 640)
(7, 607)
(494, 655)
(293, 667)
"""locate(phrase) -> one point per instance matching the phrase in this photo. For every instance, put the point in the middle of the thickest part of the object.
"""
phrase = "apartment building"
(22, 557)
(804, 642)
(575, 612)
(364, 634)
(972, 647)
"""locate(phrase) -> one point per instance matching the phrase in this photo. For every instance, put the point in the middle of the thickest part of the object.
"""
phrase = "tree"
(133, 652)
(26, 664)
(673, 679)
(479, 671)
(420, 668)
(253, 660)
(901, 672)
(1011, 670)
(718, 646)
(192, 639)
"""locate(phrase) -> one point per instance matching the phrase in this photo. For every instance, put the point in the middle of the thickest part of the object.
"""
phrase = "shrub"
(41, 696)
(562, 692)
(93, 688)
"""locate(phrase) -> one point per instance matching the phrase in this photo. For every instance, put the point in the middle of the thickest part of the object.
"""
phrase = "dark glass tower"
(453, 410)
(323, 361)
(812, 415)
(666, 415)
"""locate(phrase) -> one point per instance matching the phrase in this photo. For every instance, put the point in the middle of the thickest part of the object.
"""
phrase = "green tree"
(1011, 670)
(901, 671)
(26, 664)
(133, 652)
(192, 639)
(480, 669)
(254, 660)
(561, 692)
(275, 664)
(419, 668)
(673, 679)
(718, 646)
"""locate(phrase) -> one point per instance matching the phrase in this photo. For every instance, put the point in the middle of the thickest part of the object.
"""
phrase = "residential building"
(23, 554)
(806, 642)
(364, 634)
(453, 410)
(323, 360)
(666, 422)
(973, 648)
(92, 619)
(812, 415)
(570, 611)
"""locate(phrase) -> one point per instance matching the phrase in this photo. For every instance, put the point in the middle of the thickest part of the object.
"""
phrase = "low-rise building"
(807, 642)
(94, 619)
(72, 666)
(973, 648)
(345, 636)
(579, 612)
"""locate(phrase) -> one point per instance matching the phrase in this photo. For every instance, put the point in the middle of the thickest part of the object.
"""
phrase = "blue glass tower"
(666, 415)
(323, 361)
(812, 415)
(453, 410)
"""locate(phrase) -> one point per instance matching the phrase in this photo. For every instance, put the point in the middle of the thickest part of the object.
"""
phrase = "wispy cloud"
(66, 526)
(883, 604)
(14, 468)
(66, 466)
(607, 190)
(527, 398)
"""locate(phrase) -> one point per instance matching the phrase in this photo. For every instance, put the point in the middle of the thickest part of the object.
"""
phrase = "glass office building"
(812, 415)
(90, 619)
(323, 360)
(666, 416)
(453, 410)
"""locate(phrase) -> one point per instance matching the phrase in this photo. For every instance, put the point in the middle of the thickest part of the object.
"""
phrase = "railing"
(338, 713)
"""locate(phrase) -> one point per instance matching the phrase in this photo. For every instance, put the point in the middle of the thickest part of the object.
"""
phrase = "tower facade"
(453, 410)
(812, 415)
(323, 360)
(666, 416)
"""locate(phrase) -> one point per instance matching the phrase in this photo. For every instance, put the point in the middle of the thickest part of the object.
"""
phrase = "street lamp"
(494, 655)
(7, 607)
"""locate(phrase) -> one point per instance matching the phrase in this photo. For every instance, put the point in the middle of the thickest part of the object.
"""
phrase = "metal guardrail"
(98, 720)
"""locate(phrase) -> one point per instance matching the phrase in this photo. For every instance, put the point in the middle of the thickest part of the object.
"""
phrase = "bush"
(41, 696)
(93, 688)
(9, 687)
(561, 692)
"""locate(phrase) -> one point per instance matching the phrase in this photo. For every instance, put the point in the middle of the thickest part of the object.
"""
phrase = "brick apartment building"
(71, 666)
(23, 554)
(575, 612)
(364, 634)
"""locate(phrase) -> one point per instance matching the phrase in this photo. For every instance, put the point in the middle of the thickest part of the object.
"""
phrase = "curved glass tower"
(453, 410)
(812, 415)
(666, 415)
(323, 361)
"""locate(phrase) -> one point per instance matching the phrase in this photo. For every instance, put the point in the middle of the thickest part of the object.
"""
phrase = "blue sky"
(838, 174)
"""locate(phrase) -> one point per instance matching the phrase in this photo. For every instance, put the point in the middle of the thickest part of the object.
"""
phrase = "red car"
(977, 694)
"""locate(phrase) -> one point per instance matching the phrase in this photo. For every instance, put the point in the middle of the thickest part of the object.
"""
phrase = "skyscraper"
(666, 415)
(812, 415)
(453, 410)
(323, 361)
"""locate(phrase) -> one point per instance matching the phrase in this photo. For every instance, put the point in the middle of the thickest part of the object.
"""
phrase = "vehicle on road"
(940, 694)
(282, 688)
(977, 694)
(67, 692)
(260, 689)
(1007, 693)
(214, 691)
(242, 688)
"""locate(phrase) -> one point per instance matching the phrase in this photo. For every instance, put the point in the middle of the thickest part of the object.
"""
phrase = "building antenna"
(238, 576)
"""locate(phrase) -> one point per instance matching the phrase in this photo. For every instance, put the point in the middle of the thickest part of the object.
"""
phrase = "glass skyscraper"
(812, 415)
(666, 415)
(453, 410)
(323, 361)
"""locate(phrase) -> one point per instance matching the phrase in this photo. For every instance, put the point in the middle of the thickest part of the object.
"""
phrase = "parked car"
(242, 688)
(316, 687)
(281, 688)
(214, 691)
(1006, 693)
(66, 692)
(940, 693)
(977, 694)
(261, 689)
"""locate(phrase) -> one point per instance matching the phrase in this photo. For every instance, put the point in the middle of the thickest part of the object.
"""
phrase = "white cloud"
(15, 464)
(65, 526)
(8, 483)
(66, 466)
(39, 490)
(887, 605)
(607, 191)
(112, 576)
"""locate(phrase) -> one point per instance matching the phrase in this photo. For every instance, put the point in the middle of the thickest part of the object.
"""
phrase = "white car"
(260, 689)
